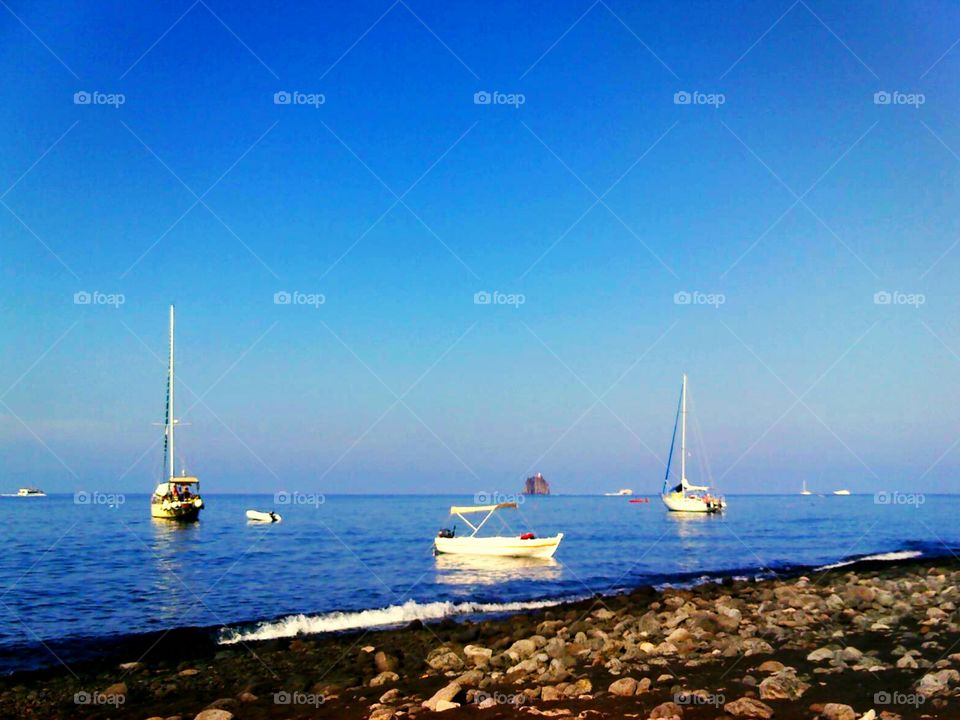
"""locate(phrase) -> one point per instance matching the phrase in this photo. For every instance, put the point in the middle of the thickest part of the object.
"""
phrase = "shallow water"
(93, 571)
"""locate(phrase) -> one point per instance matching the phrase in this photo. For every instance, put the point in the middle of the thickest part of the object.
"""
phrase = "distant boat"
(173, 499)
(686, 497)
(803, 490)
(259, 516)
(28, 492)
(841, 492)
(526, 545)
(639, 501)
(619, 493)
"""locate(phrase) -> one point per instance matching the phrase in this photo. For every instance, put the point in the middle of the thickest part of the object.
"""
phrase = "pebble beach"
(852, 643)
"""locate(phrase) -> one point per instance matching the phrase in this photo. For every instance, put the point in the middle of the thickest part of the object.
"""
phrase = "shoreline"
(206, 640)
(852, 633)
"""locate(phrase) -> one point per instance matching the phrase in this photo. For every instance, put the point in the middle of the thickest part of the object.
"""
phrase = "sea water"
(76, 572)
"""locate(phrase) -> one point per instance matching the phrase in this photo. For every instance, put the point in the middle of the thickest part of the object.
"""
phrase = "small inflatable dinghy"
(257, 516)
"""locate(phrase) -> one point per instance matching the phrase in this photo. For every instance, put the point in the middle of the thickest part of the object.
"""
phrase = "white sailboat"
(803, 490)
(526, 545)
(174, 499)
(687, 497)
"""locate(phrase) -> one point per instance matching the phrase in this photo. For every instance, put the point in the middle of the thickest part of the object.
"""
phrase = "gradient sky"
(598, 199)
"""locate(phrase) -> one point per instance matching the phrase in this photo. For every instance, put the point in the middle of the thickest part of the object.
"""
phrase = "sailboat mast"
(683, 433)
(170, 395)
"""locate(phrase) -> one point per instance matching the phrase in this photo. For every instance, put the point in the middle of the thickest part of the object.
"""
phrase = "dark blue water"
(80, 571)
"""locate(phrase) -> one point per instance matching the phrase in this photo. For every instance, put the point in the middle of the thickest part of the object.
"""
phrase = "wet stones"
(783, 685)
(747, 707)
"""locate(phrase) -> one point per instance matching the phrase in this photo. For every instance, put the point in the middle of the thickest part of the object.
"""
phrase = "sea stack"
(536, 485)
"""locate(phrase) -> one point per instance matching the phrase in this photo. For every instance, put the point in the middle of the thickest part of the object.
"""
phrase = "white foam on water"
(381, 617)
(882, 557)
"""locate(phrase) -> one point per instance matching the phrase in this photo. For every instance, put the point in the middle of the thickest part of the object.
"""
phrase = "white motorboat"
(841, 492)
(624, 492)
(685, 496)
(30, 492)
(803, 490)
(526, 545)
(258, 516)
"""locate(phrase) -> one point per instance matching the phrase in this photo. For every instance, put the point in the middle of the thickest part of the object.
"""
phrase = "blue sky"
(784, 189)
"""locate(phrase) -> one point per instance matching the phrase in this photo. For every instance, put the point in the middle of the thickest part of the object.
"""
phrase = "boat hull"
(678, 502)
(267, 517)
(188, 511)
(498, 546)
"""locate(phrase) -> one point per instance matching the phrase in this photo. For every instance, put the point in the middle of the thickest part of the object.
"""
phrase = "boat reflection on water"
(693, 525)
(172, 576)
(487, 570)
(695, 532)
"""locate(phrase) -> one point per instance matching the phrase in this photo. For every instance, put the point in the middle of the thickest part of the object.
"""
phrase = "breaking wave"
(381, 617)
(879, 557)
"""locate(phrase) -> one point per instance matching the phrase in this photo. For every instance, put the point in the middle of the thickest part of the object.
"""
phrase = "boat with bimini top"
(525, 545)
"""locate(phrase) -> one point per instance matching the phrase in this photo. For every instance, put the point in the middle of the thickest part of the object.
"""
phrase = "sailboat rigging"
(685, 496)
(174, 499)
